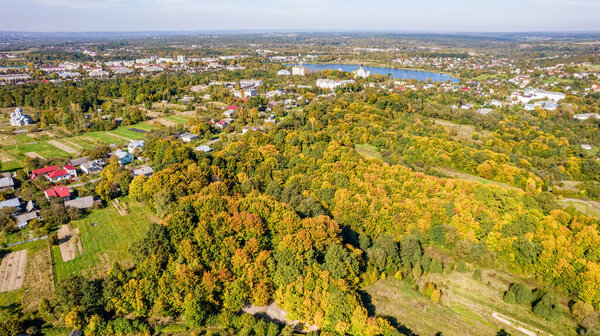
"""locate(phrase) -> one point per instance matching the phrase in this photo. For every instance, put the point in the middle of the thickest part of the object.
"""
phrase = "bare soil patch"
(12, 271)
(69, 242)
(62, 146)
(34, 155)
(166, 122)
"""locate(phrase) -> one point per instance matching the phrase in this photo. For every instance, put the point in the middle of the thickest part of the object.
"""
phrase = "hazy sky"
(396, 15)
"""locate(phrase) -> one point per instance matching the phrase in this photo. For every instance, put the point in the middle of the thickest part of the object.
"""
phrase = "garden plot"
(63, 147)
(69, 242)
(12, 271)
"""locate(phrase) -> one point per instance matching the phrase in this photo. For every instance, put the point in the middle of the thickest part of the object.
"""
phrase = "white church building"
(17, 118)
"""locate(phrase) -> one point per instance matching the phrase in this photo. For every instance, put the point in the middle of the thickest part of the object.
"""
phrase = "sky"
(300, 15)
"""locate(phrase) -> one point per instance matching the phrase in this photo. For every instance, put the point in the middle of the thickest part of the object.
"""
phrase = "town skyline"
(284, 15)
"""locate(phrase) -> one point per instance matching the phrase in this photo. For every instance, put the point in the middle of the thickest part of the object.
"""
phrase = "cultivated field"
(12, 271)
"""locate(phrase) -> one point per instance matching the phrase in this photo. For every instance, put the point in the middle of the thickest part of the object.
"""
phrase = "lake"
(396, 73)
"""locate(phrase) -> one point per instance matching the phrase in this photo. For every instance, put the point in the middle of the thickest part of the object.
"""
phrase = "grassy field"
(471, 178)
(466, 306)
(590, 208)
(368, 151)
(106, 242)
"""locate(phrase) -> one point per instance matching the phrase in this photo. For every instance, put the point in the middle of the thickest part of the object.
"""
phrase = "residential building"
(11, 203)
(17, 118)
(6, 183)
(80, 203)
(586, 116)
(92, 167)
(332, 84)
(24, 219)
(188, 137)
(145, 171)
(484, 111)
(123, 157)
(60, 191)
(203, 148)
(53, 174)
(298, 71)
(136, 145)
(284, 72)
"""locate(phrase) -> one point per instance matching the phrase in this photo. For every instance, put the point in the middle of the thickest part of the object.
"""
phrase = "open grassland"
(368, 151)
(453, 173)
(106, 242)
(590, 208)
(466, 306)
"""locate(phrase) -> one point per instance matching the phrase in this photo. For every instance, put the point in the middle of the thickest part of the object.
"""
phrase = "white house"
(332, 84)
(298, 71)
(586, 116)
(137, 144)
(188, 137)
(284, 72)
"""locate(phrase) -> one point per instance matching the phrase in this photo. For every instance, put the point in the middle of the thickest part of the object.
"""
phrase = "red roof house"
(43, 171)
(61, 191)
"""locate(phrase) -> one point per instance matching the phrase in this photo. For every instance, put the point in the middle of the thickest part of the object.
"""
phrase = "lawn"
(181, 119)
(368, 151)
(466, 306)
(105, 243)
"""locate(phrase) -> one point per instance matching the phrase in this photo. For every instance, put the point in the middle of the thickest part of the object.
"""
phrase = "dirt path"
(69, 242)
(12, 271)
(34, 155)
(517, 325)
(63, 147)
(118, 136)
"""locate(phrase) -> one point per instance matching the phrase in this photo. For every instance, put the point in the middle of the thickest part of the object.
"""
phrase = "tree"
(547, 307)
(339, 262)
(195, 313)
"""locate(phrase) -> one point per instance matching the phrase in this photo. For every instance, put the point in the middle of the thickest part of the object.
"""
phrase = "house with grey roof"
(123, 157)
(146, 171)
(137, 144)
(80, 203)
(6, 183)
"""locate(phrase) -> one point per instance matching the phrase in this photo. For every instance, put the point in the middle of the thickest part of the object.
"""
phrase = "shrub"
(547, 307)
(477, 275)
(436, 266)
(522, 294)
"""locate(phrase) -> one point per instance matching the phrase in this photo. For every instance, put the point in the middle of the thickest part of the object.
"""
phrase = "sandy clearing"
(62, 146)
(34, 155)
(68, 245)
(12, 271)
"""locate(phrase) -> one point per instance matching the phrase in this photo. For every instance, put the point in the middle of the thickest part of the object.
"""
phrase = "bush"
(521, 293)
(462, 267)
(436, 266)
(547, 307)
(477, 275)
(509, 297)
